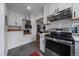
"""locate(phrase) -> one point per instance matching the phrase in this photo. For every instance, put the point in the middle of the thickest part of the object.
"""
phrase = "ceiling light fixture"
(28, 7)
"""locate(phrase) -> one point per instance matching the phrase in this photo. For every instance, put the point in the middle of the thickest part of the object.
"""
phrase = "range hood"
(64, 14)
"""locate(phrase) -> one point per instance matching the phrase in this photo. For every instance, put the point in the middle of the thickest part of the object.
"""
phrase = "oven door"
(57, 48)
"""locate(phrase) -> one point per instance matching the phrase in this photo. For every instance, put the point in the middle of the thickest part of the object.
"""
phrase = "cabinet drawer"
(77, 46)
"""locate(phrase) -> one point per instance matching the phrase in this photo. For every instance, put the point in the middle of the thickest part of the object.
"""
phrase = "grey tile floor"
(24, 50)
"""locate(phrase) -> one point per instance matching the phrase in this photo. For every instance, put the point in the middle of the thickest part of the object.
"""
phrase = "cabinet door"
(11, 18)
(63, 6)
(46, 9)
(45, 13)
(77, 48)
(13, 38)
(75, 9)
(52, 8)
(42, 43)
(15, 19)
(19, 20)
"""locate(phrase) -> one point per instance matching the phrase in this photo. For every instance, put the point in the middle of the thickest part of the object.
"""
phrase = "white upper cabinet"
(75, 10)
(45, 11)
(52, 8)
(14, 19)
(11, 18)
(62, 6)
(55, 7)
(19, 20)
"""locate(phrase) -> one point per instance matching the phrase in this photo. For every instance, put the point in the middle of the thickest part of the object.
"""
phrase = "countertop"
(76, 36)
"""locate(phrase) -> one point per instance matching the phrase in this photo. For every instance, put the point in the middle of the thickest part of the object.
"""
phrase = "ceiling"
(36, 8)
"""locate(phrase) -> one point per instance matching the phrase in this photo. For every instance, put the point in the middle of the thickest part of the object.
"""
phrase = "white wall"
(2, 22)
(5, 29)
(17, 38)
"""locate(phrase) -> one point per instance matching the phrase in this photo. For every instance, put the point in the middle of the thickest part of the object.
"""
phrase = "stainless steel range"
(60, 43)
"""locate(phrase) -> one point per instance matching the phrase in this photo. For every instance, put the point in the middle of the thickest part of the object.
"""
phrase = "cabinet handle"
(57, 9)
(43, 41)
(74, 13)
(15, 23)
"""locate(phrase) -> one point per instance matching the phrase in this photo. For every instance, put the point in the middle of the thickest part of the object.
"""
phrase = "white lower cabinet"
(77, 52)
(77, 48)
(42, 42)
